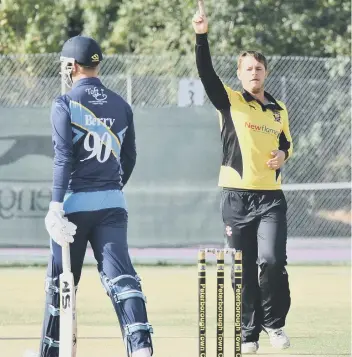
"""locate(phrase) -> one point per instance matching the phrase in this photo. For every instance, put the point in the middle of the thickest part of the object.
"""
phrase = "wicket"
(220, 302)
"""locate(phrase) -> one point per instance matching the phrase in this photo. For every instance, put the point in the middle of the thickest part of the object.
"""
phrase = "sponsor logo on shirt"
(261, 128)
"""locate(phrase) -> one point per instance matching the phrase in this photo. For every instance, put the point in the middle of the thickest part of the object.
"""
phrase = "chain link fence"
(315, 90)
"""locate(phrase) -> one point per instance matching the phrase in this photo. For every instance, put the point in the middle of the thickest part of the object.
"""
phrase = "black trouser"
(255, 222)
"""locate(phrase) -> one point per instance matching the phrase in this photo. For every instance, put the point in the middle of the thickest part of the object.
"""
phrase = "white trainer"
(278, 338)
(249, 348)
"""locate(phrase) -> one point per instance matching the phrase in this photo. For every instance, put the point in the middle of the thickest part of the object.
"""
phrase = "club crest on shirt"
(277, 116)
(98, 94)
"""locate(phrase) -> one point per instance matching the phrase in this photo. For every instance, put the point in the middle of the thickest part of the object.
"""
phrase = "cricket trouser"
(255, 222)
(106, 230)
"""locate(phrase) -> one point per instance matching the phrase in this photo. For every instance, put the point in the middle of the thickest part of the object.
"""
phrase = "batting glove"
(60, 229)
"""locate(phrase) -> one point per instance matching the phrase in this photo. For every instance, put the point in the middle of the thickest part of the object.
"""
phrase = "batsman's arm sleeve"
(211, 82)
(63, 149)
(285, 139)
(128, 150)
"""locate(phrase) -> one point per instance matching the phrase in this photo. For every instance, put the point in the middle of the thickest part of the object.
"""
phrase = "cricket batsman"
(256, 144)
(94, 155)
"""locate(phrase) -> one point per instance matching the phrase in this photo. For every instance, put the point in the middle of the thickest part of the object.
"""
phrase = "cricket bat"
(201, 7)
(68, 322)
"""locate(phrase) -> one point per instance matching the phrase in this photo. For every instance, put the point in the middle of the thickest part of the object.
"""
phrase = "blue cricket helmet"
(84, 50)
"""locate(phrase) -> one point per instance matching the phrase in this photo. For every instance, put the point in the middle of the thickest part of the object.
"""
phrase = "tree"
(99, 18)
(276, 27)
(33, 26)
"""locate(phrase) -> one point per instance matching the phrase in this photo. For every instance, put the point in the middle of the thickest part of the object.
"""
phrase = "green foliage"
(99, 18)
(32, 26)
(153, 25)
(276, 27)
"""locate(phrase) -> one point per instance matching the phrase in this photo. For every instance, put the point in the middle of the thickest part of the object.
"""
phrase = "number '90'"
(97, 148)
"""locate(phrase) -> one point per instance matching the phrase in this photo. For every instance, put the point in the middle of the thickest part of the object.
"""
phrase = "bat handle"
(66, 258)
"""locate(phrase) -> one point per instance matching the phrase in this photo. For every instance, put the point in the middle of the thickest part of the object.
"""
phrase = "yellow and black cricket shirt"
(250, 130)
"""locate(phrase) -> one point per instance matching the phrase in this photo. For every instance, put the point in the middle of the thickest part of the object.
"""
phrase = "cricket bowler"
(256, 144)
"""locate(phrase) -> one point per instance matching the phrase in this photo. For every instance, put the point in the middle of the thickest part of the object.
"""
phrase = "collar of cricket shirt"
(87, 81)
(273, 105)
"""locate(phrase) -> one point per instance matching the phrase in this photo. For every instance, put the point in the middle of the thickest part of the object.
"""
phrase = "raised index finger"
(201, 7)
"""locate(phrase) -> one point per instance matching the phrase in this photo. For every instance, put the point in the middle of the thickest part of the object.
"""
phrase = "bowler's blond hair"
(257, 55)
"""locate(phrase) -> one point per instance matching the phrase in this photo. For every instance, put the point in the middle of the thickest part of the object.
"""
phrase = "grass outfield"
(319, 322)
